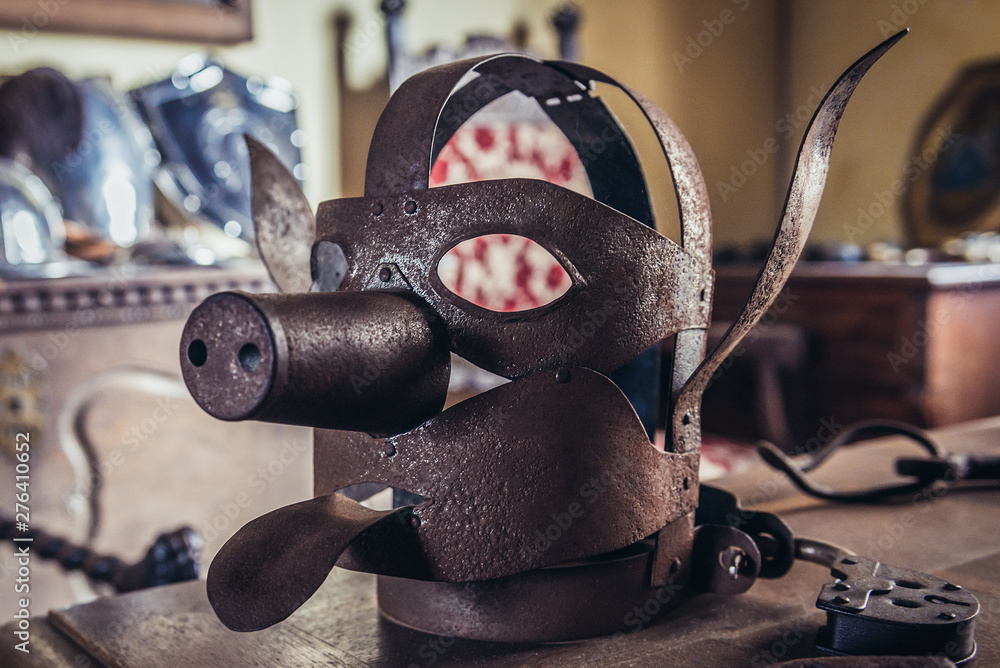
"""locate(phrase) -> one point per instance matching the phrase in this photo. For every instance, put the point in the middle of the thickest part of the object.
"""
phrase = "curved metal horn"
(801, 204)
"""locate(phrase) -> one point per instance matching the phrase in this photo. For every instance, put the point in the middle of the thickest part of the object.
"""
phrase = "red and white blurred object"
(504, 272)
(721, 457)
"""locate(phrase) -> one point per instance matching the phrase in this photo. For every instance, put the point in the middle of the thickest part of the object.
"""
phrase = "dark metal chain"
(173, 557)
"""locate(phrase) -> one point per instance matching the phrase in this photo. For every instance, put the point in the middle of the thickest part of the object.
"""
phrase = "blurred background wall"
(728, 71)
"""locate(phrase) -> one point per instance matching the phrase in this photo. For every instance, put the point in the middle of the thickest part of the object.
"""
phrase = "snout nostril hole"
(197, 352)
(249, 357)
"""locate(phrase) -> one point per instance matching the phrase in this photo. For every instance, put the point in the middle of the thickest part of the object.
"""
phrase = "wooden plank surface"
(174, 626)
(131, 18)
(956, 535)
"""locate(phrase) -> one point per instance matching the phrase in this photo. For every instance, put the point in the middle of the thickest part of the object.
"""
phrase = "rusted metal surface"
(596, 598)
(524, 450)
(875, 608)
(736, 562)
(284, 225)
(526, 459)
(769, 532)
(412, 126)
(612, 167)
(283, 557)
(631, 286)
(335, 360)
(531, 491)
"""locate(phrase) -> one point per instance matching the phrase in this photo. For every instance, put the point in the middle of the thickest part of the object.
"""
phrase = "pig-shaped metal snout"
(359, 361)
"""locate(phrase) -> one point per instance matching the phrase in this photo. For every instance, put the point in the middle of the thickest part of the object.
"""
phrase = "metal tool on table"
(939, 468)
(873, 609)
(544, 512)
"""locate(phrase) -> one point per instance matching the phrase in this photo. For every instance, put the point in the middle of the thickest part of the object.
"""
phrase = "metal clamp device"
(546, 513)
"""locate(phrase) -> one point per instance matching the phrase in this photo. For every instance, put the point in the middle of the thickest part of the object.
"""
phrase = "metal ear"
(277, 561)
(284, 224)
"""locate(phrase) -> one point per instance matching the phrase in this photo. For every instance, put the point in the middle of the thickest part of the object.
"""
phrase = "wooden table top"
(955, 536)
(852, 275)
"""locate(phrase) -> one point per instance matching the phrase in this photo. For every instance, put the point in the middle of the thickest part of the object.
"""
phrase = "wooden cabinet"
(100, 354)
(913, 343)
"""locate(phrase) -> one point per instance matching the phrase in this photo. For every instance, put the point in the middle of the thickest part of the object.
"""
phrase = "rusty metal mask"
(547, 514)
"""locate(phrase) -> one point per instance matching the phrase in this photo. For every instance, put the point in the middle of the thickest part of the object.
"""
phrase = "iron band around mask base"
(592, 597)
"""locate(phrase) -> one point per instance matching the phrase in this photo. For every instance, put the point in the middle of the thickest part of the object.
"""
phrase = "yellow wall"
(730, 100)
(727, 99)
(721, 98)
(878, 131)
(736, 94)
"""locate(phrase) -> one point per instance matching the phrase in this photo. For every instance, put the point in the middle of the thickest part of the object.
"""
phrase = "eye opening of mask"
(502, 273)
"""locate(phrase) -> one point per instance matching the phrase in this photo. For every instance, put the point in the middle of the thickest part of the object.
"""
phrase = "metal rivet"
(385, 274)
(389, 450)
(947, 616)
(377, 209)
(734, 560)
(841, 586)
(841, 600)
(414, 521)
(410, 207)
(675, 566)
(563, 376)
(952, 587)
(848, 561)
